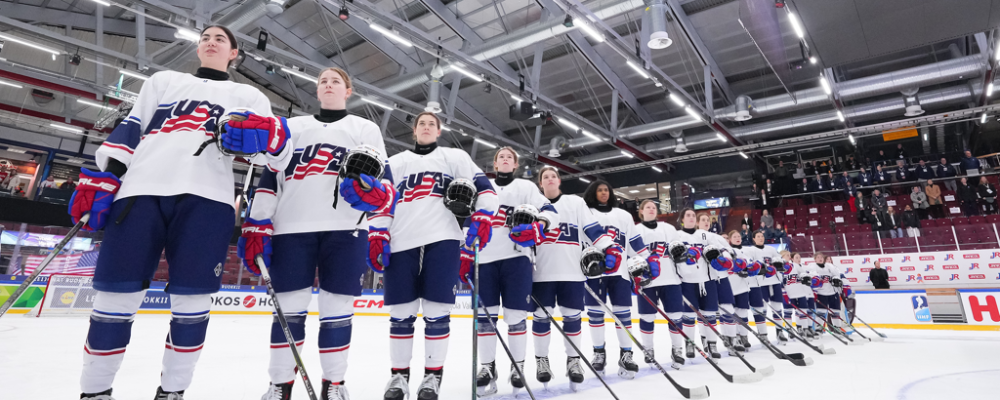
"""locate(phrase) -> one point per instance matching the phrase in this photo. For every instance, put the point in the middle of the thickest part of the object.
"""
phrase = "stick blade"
(748, 378)
(828, 350)
(766, 371)
(700, 392)
(803, 362)
(795, 356)
(877, 339)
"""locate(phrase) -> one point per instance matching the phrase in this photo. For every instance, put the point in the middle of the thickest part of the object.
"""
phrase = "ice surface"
(40, 358)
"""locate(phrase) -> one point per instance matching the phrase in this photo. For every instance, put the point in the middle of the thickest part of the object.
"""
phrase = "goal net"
(66, 295)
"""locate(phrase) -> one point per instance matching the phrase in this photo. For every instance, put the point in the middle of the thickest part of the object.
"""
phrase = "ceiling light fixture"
(584, 180)
(637, 68)
(187, 34)
(467, 73)
(94, 104)
(840, 116)
(721, 138)
(20, 41)
(796, 25)
(656, 169)
(376, 103)
(66, 128)
(14, 85)
(485, 143)
(744, 155)
(390, 34)
(627, 154)
(677, 99)
(136, 75)
(851, 138)
(826, 85)
(693, 112)
(593, 33)
(299, 74)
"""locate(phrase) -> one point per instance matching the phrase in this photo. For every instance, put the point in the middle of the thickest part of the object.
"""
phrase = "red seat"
(993, 218)
(960, 221)
(977, 219)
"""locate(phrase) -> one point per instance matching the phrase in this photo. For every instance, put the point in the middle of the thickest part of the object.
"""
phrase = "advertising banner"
(947, 268)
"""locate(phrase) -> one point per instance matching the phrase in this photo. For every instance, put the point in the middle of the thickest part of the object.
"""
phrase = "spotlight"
(262, 40)
(269, 70)
(75, 60)
(568, 22)
(344, 14)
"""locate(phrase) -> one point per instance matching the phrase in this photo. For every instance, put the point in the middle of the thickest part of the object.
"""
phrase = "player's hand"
(613, 258)
(256, 134)
(378, 249)
(527, 235)
(769, 270)
(754, 268)
(806, 280)
(94, 194)
(654, 265)
(837, 282)
(722, 263)
(376, 197)
(255, 239)
(467, 258)
(693, 255)
(480, 226)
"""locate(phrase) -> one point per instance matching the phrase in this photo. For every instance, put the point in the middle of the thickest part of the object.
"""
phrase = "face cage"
(460, 198)
(356, 163)
(592, 262)
(520, 218)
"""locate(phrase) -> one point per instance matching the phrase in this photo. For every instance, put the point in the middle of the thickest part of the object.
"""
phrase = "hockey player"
(739, 280)
(505, 271)
(826, 282)
(294, 205)
(806, 272)
(797, 293)
(158, 195)
(768, 282)
(426, 257)
(615, 285)
(697, 287)
(720, 260)
(557, 276)
(664, 289)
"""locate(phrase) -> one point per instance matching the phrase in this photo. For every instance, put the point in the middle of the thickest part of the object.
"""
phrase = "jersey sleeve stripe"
(119, 147)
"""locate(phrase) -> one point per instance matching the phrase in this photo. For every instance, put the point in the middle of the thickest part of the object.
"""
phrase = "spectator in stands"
(882, 158)
(903, 173)
(970, 164)
(944, 171)
(849, 192)
(805, 187)
(850, 164)
(819, 184)
(881, 177)
(877, 221)
(900, 153)
(49, 182)
(879, 202)
(987, 195)
(766, 219)
(864, 178)
(715, 228)
(895, 223)
(969, 197)
(863, 208)
(831, 180)
(810, 168)
(800, 172)
(746, 220)
(934, 201)
(824, 168)
(878, 276)
(924, 173)
(842, 180)
(745, 235)
(911, 221)
(779, 233)
(919, 200)
(782, 175)
(771, 189)
(763, 229)
(766, 201)
(68, 185)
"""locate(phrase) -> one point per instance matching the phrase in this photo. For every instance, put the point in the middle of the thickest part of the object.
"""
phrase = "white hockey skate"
(334, 392)
(430, 386)
(486, 380)
(574, 371)
(398, 387)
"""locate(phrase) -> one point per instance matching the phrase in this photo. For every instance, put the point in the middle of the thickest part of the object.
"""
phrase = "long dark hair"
(590, 196)
(233, 44)
(680, 217)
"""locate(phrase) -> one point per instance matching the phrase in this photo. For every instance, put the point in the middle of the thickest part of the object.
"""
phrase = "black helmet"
(592, 262)
(460, 197)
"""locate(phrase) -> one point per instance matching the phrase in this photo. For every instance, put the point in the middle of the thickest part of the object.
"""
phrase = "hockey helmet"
(592, 262)
(638, 268)
(678, 252)
(460, 197)
(362, 160)
(712, 252)
(522, 214)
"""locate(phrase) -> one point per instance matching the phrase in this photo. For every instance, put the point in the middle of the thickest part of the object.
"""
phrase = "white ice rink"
(40, 358)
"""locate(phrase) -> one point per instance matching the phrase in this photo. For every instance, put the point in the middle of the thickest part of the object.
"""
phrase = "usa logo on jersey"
(421, 185)
(565, 233)
(185, 115)
(315, 159)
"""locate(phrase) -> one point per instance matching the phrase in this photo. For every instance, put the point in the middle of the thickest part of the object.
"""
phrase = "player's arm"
(480, 223)
(533, 234)
(262, 132)
(596, 233)
(256, 232)
(381, 219)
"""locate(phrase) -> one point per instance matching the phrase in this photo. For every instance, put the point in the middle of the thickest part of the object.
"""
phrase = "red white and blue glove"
(694, 254)
(378, 196)
(754, 268)
(466, 258)
(613, 258)
(480, 226)
(848, 292)
(256, 239)
(256, 134)
(94, 194)
(817, 282)
(740, 268)
(788, 268)
(527, 235)
(654, 265)
(722, 263)
(770, 271)
(378, 249)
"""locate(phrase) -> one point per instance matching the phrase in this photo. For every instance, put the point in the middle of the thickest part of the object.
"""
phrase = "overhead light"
(652, 189)
(344, 14)
(637, 68)
(693, 112)
(796, 25)
(989, 89)
(467, 73)
(721, 138)
(584, 180)
(485, 143)
(94, 104)
(66, 128)
(445, 128)
(568, 124)
(11, 84)
(825, 85)
(982, 120)
(390, 34)
(627, 154)
(187, 34)
(74, 161)
(997, 56)
(925, 137)
(135, 75)
(23, 42)
(593, 33)
(744, 155)
(840, 116)
(656, 169)
(665, 186)
(568, 22)
(590, 135)
(377, 103)
(293, 72)
(633, 191)
(677, 100)
(813, 60)
(851, 138)
(102, 2)
(516, 97)
(18, 151)
(269, 70)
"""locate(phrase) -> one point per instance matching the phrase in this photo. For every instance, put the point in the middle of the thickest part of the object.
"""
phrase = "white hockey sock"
(437, 330)
(675, 334)
(572, 324)
(541, 330)
(488, 336)
(647, 326)
(109, 334)
(401, 319)
(706, 330)
(624, 315)
(188, 325)
(742, 313)
(688, 319)
(596, 327)
(281, 367)
(517, 329)
(760, 321)
(336, 312)
(726, 320)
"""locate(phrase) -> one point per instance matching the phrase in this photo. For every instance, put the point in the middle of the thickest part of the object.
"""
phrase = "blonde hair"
(736, 232)
(785, 253)
(342, 73)
(704, 215)
(819, 255)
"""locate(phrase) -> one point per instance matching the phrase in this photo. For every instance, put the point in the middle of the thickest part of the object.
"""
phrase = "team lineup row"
(161, 188)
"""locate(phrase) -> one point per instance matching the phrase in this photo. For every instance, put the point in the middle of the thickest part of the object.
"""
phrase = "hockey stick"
(792, 332)
(45, 263)
(855, 316)
(748, 378)
(575, 348)
(838, 330)
(699, 392)
(822, 326)
(766, 371)
(284, 327)
(486, 311)
(794, 358)
(475, 322)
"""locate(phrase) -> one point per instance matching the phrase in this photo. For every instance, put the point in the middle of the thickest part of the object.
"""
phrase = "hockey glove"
(256, 239)
(788, 268)
(722, 263)
(377, 197)
(740, 267)
(654, 265)
(837, 282)
(693, 255)
(528, 235)
(848, 292)
(754, 268)
(640, 272)
(479, 227)
(467, 258)
(613, 258)
(779, 266)
(806, 280)
(817, 282)
(770, 271)
(711, 253)
(94, 194)
(256, 134)
(378, 249)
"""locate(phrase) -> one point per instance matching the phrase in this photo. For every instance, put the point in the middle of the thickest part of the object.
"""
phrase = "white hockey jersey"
(658, 239)
(740, 285)
(698, 272)
(716, 240)
(752, 254)
(515, 193)
(793, 285)
(300, 197)
(421, 180)
(827, 272)
(766, 256)
(173, 116)
(619, 225)
(558, 258)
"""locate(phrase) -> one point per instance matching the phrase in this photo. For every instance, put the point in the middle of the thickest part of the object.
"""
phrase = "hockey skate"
(728, 342)
(745, 341)
(626, 367)
(689, 349)
(105, 395)
(431, 385)
(161, 395)
(649, 357)
(710, 348)
(486, 380)
(782, 339)
(333, 392)
(281, 391)
(600, 360)
(398, 387)
(737, 344)
(515, 379)
(574, 372)
(677, 357)
(544, 372)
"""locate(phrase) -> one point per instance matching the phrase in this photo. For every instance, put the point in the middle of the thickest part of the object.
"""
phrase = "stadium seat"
(977, 219)
(960, 220)
(993, 218)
